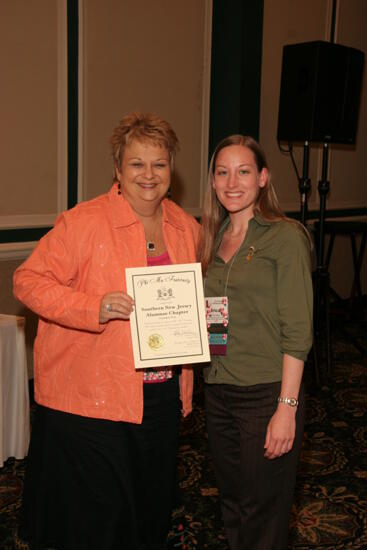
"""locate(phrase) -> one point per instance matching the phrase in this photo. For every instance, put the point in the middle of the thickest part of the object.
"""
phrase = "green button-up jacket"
(269, 287)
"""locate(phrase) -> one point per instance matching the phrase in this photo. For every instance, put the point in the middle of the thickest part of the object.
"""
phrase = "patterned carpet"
(330, 506)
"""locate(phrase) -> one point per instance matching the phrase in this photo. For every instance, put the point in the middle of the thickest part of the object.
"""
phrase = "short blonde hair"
(143, 127)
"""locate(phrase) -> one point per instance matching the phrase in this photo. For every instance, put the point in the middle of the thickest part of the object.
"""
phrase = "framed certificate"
(168, 325)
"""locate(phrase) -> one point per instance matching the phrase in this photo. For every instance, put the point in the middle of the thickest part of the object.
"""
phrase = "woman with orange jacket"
(102, 462)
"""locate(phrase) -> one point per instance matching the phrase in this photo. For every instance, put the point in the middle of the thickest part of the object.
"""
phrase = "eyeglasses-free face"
(237, 180)
(145, 173)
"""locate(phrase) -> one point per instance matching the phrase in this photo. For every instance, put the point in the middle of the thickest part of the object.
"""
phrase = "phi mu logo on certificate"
(164, 293)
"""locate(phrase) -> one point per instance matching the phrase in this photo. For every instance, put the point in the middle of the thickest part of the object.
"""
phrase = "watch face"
(291, 401)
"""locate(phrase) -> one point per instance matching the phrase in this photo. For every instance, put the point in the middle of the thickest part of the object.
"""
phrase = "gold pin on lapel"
(251, 252)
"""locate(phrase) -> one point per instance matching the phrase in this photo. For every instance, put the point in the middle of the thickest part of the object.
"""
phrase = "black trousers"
(256, 493)
(96, 484)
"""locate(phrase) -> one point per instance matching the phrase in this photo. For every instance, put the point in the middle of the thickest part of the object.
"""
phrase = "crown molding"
(16, 251)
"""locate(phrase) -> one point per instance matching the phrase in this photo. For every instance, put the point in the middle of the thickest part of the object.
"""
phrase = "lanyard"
(229, 269)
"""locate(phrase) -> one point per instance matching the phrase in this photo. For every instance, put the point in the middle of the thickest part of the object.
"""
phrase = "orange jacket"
(81, 366)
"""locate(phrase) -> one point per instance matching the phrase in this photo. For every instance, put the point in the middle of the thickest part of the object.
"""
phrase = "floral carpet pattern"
(330, 505)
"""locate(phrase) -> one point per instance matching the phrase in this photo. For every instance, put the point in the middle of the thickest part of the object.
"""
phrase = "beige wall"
(149, 56)
(29, 111)
(348, 165)
(32, 159)
(291, 22)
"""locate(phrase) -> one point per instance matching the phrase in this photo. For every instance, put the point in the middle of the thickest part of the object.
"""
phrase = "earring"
(119, 188)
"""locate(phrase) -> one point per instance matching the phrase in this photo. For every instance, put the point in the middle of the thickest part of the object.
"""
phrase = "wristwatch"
(291, 401)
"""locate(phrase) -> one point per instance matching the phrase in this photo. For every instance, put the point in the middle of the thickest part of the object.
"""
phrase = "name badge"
(217, 318)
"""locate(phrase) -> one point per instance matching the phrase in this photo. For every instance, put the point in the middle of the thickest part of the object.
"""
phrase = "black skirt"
(94, 484)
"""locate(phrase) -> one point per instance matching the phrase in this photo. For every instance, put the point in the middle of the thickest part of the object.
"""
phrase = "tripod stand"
(322, 277)
(304, 184)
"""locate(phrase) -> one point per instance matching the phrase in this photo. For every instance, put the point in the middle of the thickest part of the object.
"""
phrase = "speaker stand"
(322, 282)
(304, 184)
(304, 187)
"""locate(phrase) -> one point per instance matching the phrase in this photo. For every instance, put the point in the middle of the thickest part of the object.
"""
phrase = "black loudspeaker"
(320, 91)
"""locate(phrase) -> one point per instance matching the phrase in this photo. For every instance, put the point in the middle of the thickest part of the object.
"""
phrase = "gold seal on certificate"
(168, 324)
(155, 341)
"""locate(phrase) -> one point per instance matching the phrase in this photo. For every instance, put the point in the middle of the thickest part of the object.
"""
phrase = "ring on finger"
(108, 307)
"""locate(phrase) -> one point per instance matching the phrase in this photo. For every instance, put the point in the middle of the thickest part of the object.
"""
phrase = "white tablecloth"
(14, 396)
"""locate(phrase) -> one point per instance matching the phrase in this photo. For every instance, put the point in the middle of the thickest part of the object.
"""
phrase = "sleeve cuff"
(301, 355)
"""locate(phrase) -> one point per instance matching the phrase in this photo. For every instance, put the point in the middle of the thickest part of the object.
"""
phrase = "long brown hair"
(214, 213)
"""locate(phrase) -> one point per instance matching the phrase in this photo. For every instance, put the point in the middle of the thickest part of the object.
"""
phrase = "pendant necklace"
(151, 242)
(151, 246)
